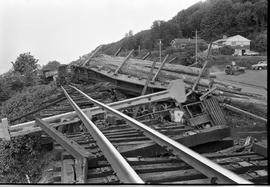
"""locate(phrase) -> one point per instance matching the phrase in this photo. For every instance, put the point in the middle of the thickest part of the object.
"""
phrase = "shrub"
(23, 155)
(19, 157)
(29, 99)
(226, 50)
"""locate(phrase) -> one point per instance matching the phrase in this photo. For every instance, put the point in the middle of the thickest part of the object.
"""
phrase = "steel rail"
(123, 170)
(197, 161)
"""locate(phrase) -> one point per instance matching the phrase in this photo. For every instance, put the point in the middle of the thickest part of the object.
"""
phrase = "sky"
(63, 30)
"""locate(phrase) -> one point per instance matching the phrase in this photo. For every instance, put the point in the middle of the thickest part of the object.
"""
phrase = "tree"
(226, 50)
(52, 65)
(259, 43)
(26, 65)
(218, 20)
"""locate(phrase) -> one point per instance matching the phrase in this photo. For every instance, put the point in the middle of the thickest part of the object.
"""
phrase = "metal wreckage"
(162, 123)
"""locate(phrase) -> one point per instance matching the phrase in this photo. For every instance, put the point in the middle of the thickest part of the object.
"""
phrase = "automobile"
(234, 70)
(260, 65)
(251, 53)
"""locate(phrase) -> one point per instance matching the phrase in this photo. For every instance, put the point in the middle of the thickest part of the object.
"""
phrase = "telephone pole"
(196, 47)
(160, 43)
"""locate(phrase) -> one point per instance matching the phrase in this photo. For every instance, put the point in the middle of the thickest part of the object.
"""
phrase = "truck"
(234, 69)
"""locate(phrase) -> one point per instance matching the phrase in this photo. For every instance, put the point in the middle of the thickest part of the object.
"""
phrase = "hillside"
(212, 19)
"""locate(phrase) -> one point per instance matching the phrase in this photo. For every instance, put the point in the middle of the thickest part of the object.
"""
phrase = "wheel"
(260, 68)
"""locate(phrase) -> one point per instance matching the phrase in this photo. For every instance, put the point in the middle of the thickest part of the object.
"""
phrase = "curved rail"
(123, 170)
(200, 163)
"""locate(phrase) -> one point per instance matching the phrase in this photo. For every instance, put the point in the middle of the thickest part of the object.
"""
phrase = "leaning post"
(4, 130)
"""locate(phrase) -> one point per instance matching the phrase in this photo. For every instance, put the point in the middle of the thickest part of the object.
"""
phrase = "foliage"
(23, 155)
(29, 99)
(212, 19)
(226, 50)
(259, 43)
(52, 65)
(25, 63)
(20, 157)
(10, 83)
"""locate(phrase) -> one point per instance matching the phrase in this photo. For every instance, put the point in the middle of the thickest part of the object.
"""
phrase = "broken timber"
(175, 92)
(4, 130)
(71, 146)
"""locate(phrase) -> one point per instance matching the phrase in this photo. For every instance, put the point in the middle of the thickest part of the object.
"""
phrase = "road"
(252, 81)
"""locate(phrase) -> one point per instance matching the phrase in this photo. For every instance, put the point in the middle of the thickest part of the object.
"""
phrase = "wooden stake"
(126, 59)
(4, 130)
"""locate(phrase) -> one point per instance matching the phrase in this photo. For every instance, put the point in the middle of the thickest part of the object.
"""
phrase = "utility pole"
(160, 50)
(196, 47)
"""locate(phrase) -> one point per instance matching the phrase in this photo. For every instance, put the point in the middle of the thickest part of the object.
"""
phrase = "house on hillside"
(239, 43)
(180, 43)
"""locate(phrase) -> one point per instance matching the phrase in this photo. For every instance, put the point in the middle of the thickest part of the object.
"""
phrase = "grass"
(221, 61)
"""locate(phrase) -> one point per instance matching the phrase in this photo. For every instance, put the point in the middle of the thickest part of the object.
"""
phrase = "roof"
(232, 38)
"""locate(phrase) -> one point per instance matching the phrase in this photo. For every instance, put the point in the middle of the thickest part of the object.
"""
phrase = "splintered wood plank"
(81, 167)
(67, 172)
(4, 130)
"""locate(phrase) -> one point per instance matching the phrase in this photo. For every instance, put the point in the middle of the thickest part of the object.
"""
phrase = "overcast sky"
(63, 30)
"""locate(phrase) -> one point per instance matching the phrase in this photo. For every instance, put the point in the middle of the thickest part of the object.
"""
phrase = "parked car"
(251, 53)
(260, 65)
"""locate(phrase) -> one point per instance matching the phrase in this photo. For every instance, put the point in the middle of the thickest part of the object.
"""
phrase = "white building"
(239, 43)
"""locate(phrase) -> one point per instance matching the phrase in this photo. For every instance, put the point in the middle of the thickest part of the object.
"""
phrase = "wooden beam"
(208, 92)
(92, 55)
(160, 67)
(71, 146)
(123, 63)
(147, 55)
(238, 110)
(4, 130)
(201, 72)
(260, 148)
(118, 51)
(81, 168)
(67, 171)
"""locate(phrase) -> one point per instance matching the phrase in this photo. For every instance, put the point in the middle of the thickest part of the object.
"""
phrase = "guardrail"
(205, 166)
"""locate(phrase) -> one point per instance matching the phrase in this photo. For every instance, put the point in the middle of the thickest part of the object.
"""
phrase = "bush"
(23, 155)
(226, 50)
(19, 157)
(29, 99)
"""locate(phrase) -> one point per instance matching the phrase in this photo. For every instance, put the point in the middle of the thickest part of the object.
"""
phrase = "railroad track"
(132, 152)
